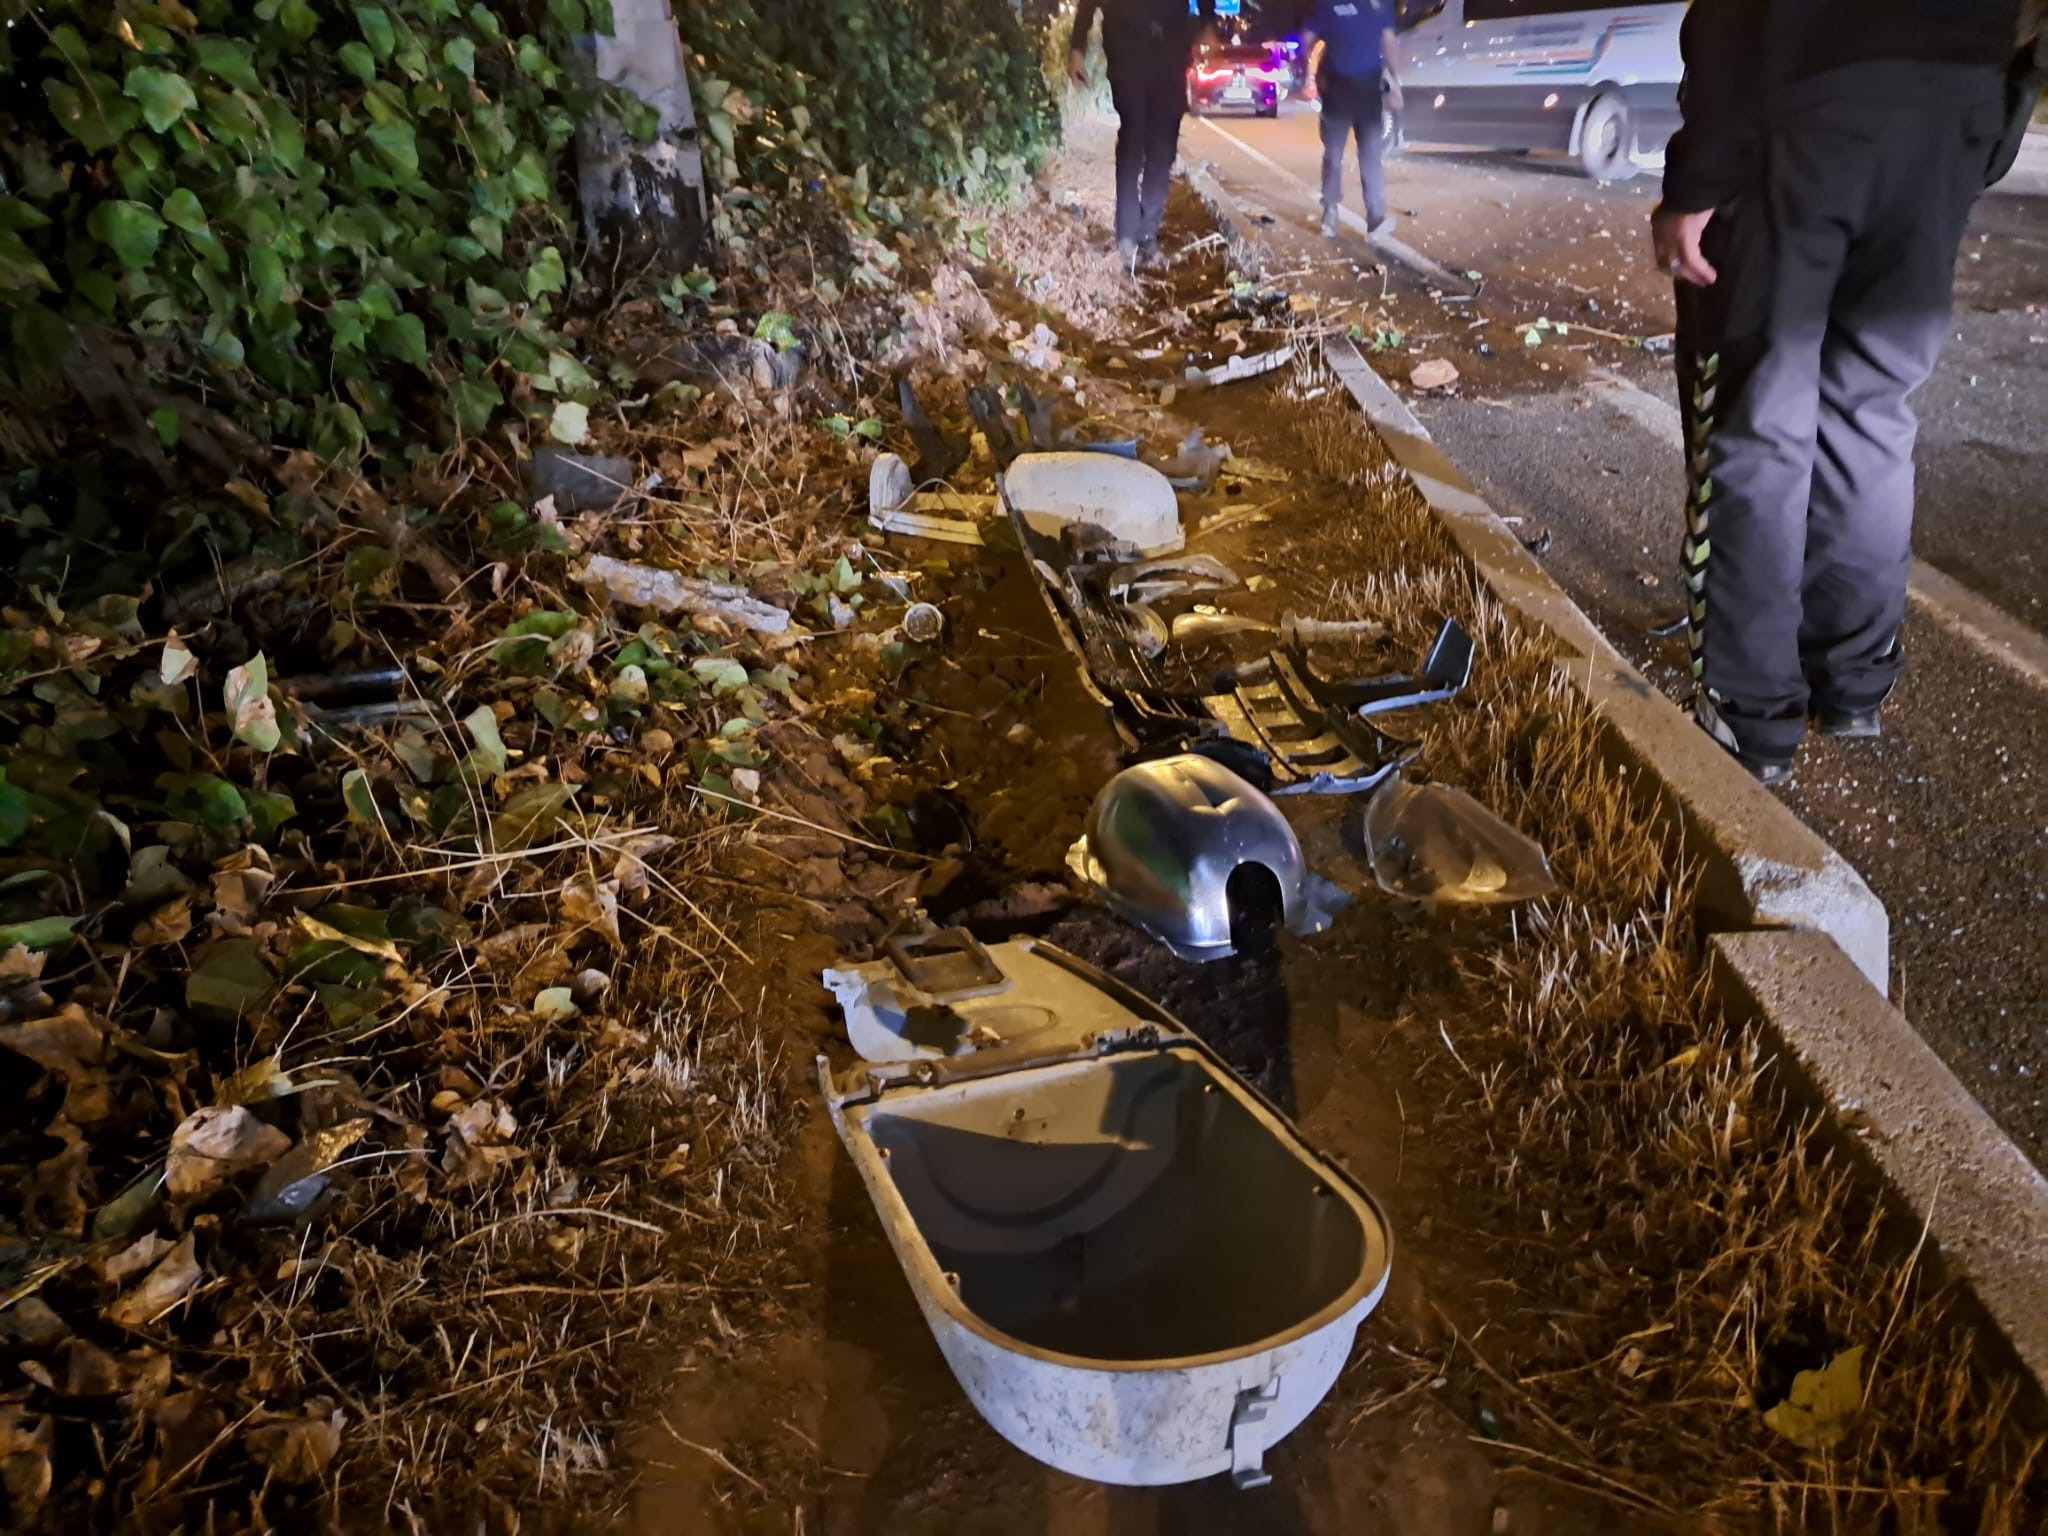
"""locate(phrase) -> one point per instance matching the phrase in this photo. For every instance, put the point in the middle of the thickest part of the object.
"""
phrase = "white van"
(1585, 77)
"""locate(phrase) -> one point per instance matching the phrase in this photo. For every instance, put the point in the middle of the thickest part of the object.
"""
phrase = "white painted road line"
(1402, 252)
(1945, 600)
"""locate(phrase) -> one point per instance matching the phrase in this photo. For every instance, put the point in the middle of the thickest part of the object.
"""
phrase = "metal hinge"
(1248, 1440)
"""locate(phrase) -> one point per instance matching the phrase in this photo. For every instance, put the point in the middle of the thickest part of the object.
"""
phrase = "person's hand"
(1395, 100)
(1077, 66)
(1676, 238)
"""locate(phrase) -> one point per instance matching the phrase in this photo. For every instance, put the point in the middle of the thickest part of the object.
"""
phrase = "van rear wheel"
(1607, 139)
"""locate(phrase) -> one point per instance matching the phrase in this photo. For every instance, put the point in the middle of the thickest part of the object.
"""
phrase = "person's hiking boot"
(1127, 253)
(1330, 223)
(1148, 255)
(1850, 724)
(1766, 770)
(1383, 226)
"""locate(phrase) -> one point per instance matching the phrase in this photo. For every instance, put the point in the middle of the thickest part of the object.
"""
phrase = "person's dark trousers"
(1352, 110)
(1150, 93)
(1795, 373)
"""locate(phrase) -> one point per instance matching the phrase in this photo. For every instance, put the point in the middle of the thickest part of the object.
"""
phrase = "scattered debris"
(646, 586)
(1177, 846)
(1430, 842)
(924, 622)
(1197, 465)
(895, 505)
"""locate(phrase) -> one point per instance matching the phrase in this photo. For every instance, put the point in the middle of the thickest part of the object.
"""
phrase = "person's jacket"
(1132, 26)
(1743, 56)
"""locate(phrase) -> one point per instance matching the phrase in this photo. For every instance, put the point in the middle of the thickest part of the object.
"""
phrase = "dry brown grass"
(1690, 1241)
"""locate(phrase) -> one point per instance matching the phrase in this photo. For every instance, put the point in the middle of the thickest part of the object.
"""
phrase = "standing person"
(1814, 203)
(1359, 76)
(1147, 43)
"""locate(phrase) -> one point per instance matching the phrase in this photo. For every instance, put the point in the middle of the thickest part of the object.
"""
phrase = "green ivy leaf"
(132, 230)
(529, 179)
(227, 61)
(94, 112)
(397, 145)
(346, 323)
(37, 933)
(231, 980)
(490, 234)
(204, 800)
(475, 404)
(357, 59)
(287, 136)
(378, 32)
(405, 338)
(266, 274)
(459, 54)
(182, 211)
(546, 275)
(299, 20)
(20, 269)
(165, 97)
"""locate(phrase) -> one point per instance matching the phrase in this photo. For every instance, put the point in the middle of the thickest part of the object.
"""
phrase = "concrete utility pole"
(644, 203)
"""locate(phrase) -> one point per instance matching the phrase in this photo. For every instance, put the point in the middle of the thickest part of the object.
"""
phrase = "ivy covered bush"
(919, 95)
(336, 221)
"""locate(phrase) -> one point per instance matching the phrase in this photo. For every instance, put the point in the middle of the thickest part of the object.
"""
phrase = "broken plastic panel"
(1188, 851)
(1307, 733)
(1136, 1268)
(1430, 842)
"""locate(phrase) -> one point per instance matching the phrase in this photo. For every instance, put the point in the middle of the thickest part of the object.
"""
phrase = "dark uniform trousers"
(1148, 86)
(1796, 371)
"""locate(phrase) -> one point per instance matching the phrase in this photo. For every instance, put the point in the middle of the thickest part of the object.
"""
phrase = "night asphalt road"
(1947, 816)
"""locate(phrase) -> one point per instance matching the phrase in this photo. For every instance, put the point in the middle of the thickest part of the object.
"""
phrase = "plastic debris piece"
(294, 1184)
(924, 622)
(647, 586)
(1199, 626)
(1197, 465)
(1130, 501)
(1248, 367)
(1430, 842)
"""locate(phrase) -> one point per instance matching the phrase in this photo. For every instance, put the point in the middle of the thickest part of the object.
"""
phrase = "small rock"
(579, 482)
(1433, 374)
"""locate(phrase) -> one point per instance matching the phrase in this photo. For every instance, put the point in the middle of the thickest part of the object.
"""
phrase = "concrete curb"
(1903, 1116)
(1804, 945)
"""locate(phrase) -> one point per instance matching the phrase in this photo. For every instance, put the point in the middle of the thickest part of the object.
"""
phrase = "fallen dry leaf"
(214, 1144)
(164, 1287)
(479, 1141)
(21, 963)
(589, 904)
(134, 1259)
(90, 1371)
(71, 1043)
(297, 1451)
(170, 923)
